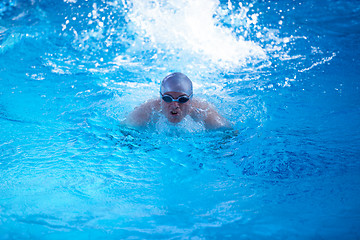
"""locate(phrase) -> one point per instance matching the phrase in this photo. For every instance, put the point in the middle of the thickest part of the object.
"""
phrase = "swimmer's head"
(176, 91)
(176, 82)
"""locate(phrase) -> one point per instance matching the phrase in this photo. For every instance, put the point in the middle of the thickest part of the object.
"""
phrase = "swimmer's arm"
(205, 112)
(141, 115)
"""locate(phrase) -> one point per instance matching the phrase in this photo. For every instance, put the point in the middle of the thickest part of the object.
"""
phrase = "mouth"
(174, 113)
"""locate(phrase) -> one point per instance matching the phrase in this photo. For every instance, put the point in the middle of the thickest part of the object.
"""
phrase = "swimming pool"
(285, 73)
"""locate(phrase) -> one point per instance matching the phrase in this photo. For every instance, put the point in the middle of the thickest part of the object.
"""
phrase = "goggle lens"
(183, 99)
(169, 99)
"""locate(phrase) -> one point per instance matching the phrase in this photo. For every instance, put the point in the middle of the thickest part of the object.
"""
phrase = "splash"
(194, 28)
(194, 34)
(163, 36)
(188, 125)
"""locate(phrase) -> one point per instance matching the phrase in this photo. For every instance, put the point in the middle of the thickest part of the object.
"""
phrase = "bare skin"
(175, 112)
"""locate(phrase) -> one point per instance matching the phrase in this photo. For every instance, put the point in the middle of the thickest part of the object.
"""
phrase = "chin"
(174, 120)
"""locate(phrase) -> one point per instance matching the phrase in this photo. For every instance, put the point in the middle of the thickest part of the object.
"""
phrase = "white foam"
(187, 125)
(191, 27)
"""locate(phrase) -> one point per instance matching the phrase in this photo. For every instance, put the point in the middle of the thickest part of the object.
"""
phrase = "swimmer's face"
(175, 111)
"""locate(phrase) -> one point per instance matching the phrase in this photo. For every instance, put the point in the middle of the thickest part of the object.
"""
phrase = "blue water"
(285, 73)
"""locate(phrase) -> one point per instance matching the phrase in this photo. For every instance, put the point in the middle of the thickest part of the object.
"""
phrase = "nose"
(175, 104)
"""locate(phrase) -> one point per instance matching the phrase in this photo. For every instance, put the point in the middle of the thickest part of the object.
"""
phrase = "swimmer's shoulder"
(207, 112)
(142, 114)
(201, 103)
(150, 105)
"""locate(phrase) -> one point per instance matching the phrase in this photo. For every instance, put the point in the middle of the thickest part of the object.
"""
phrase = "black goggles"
(181, 99)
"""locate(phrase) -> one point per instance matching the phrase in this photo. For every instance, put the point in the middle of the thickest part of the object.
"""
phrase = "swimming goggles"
(181, 99)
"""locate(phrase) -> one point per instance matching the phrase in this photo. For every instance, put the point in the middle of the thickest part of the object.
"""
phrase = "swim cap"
(176, 82)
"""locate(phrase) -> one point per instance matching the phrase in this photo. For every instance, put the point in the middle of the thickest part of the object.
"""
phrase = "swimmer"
(175, 103)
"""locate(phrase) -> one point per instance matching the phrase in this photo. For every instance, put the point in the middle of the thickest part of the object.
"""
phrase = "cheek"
(185, 108)
(163, 106)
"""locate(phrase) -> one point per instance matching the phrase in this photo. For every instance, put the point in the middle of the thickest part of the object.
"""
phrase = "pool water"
(284, 73)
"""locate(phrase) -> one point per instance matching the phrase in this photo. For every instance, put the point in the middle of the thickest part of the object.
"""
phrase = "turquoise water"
(285, 73)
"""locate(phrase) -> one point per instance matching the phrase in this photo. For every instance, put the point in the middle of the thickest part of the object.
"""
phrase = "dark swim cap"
(176, 82)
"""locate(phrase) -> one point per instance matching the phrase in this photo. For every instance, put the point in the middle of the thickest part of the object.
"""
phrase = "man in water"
(175, 103)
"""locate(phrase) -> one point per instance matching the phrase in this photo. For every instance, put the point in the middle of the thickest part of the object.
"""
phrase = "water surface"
(285, 73)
